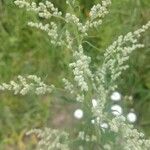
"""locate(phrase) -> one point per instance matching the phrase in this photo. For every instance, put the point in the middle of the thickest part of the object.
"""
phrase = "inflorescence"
(86, 84)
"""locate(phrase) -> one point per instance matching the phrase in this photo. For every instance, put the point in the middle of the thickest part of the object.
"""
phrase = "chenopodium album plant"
(89, 87)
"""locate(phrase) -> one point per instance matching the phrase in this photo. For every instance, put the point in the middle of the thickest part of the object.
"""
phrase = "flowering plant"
(87, 86)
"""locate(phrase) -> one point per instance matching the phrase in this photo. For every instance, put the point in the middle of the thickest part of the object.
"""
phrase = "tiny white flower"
(93, 121)
(78, 114)
(94, 102)
(116, 96)
(104, 125)
(131, 117)
(116, 110)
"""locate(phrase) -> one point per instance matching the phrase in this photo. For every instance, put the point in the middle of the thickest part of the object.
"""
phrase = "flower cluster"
(131, 139)
(98, 12)
(114, 63)
(51, 29)
(81, 68)
(117, 54)
(28, 84)
(71, 18)
(68, 86)
(45, 10)
(69, 40)
(51, 139)
(81, 72)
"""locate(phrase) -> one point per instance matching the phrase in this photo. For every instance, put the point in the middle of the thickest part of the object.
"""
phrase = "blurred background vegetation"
(24, 50)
